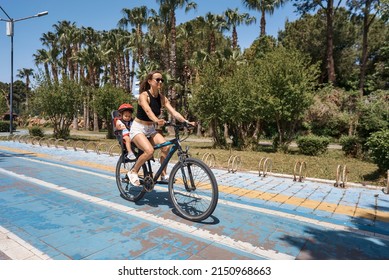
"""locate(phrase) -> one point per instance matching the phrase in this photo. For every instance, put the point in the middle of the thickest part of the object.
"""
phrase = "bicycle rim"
(193, 189)
(127, 191)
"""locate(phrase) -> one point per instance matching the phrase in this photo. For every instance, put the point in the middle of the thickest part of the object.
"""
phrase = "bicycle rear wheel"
(193, 189)
(127, 191)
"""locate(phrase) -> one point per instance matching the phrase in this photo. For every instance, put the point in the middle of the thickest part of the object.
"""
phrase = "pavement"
(58, 203)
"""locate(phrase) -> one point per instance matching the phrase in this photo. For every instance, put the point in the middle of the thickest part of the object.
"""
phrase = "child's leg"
(127, 141)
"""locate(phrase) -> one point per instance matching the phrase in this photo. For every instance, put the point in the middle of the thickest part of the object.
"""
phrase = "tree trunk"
(330, 43)
(263, 22)
(366, 27)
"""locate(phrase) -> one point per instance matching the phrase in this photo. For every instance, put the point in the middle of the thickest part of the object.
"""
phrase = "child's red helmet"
(125, 107)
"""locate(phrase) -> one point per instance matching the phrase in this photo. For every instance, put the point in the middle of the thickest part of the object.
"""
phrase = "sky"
(104, 15)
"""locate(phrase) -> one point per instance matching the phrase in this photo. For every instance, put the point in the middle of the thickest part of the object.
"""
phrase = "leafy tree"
(378, 144)
(206, 95)
(374, 114)
(108, 98)
(58, 102)
(286, 80)
(332, 112)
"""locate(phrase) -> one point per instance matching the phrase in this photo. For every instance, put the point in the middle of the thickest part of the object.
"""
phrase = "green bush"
(312, 145)
(4, 126)
(351, 145)
(36, 131)
(378, 144)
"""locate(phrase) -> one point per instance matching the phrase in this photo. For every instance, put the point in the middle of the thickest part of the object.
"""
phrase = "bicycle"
(192, 186)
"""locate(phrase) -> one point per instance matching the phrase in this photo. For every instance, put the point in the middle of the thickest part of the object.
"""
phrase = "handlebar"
(180, 125)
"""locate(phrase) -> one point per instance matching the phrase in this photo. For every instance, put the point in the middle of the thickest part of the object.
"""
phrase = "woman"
(150, 102)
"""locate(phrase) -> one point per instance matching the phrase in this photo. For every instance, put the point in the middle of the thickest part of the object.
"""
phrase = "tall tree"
(367, 10)
(171, 6)
(26, 73)
(234, 19)
(264, 6)
(330, 8)
(138, 18)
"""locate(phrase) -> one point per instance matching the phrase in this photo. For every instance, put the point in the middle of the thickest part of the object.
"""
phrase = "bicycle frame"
(175, 145)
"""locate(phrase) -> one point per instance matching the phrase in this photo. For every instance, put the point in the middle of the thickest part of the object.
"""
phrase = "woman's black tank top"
(155, 105)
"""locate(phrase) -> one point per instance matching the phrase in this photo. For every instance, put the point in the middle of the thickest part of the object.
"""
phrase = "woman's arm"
(173, 112)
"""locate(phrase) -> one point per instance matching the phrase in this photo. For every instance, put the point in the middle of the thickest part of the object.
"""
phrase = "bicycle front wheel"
(193, 189)
(127, 191)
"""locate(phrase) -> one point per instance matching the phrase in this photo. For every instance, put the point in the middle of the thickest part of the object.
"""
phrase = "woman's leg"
(158, 139)
(144, 144)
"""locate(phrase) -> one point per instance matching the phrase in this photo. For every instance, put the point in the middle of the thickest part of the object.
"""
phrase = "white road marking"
(187, 229)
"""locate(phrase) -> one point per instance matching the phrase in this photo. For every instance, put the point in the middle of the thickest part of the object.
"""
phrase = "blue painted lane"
(73, 211)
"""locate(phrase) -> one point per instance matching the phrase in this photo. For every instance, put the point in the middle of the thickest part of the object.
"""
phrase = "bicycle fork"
(189, 186)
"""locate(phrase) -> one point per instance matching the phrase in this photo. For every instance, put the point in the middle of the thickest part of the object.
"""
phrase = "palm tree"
(136, 17)
(171, 6)
(264, 6)
(213, 24)
(234, 19)
(42, 57)
(26, 73)
(50, 40)
(66, 34)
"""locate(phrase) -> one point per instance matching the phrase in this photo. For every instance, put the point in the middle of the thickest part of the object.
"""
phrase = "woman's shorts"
(136, 128)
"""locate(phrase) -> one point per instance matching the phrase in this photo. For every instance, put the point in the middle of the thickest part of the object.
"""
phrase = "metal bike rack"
(341, 176)
(209, 159)
(387, 183)
(99, 148)
(78, 142)
(300, 167)
(67, 144)
(89, 144)
(57, 142)
(41, 141)
(112, 148)
(233, 164)
(265, 164)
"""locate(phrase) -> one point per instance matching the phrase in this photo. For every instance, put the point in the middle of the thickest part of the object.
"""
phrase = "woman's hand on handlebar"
(191, 124)
(160, 122)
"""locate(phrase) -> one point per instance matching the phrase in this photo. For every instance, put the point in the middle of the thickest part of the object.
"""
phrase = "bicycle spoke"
(194, 191)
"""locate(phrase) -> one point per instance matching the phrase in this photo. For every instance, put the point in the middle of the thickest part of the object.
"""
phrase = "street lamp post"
(10, 32)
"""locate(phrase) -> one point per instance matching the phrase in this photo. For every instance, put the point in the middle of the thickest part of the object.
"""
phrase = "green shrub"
(312, 145)
(351, 145)
(36, 131)
(4, 126)
(378, 144)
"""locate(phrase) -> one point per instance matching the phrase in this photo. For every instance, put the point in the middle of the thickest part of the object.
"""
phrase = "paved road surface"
(63, 204)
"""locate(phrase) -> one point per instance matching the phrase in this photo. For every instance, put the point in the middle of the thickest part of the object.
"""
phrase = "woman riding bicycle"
(150, 102)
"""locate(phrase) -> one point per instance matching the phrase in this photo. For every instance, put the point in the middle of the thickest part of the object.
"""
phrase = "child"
(124, 124)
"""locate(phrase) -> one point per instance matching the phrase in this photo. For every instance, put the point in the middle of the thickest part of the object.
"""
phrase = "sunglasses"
(159, 80)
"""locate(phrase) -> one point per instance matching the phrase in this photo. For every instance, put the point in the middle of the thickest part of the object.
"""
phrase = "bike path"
(65, 205)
